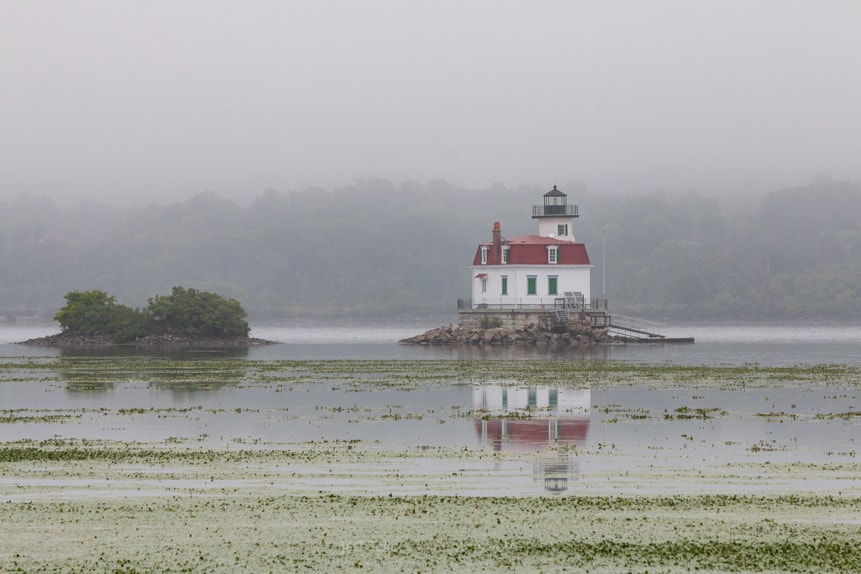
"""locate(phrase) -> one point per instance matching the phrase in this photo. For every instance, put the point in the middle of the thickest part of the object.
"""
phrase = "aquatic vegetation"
(778, 416)
(624, 413)
(684, 413)
(765, 446)
(10, 416)
(254, 530)
(414, 374)
(243, 491)
(843, 416)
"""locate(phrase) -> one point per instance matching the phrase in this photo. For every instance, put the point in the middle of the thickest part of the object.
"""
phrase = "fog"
(134, 101)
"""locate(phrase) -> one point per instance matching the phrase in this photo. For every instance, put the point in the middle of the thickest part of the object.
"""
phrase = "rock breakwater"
(575, 333)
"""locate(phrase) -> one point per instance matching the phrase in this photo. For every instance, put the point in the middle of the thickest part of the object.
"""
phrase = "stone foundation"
(506, 319)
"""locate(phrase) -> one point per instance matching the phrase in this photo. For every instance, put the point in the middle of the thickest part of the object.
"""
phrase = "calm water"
(715, 345)
(783, 424)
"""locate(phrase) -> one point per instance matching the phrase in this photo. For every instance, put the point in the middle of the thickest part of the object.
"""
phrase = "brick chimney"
(497, 234)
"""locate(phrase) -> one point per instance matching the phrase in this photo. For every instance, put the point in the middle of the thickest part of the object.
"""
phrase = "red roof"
(532, 250)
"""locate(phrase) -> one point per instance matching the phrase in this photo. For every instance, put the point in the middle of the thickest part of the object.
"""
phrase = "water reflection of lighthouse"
(540, 419)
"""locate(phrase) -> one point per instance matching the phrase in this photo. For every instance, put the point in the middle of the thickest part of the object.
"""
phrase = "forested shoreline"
(382, 250)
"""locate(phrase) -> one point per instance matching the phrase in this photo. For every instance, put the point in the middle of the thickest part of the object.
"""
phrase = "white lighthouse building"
(534, 272)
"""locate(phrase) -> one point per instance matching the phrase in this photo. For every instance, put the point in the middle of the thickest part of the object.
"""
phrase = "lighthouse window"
(551, 285)
(484, 255)
(505, 254)
(484, 284)
(552, 254)
(505, 284)
(562, 229)
(531, 285)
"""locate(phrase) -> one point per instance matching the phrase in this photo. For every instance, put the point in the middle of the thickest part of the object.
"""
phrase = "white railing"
(549, 306)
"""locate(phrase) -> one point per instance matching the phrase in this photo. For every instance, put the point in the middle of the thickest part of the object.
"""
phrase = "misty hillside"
(376, 249)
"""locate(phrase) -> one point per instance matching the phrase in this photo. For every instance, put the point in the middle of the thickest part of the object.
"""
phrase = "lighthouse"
(536, 273)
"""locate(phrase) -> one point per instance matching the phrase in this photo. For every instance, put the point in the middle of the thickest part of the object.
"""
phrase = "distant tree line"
(376, 249)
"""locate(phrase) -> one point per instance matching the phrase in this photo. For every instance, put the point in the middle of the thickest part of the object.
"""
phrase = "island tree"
(187, 313)
(197, 314)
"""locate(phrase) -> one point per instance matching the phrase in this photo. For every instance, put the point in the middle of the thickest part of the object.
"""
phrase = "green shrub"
(130, 324)
(88, 313)
(198, 314)
(185, 312)
(491, 322)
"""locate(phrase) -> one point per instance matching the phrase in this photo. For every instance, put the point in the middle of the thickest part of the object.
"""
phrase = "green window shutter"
(551, 286)
(531, 285)
(504, 285)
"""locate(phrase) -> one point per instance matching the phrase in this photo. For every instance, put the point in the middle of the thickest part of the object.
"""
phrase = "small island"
(186, 317)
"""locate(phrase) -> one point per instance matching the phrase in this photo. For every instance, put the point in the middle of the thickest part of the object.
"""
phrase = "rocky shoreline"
(75, 341)
(579, 333)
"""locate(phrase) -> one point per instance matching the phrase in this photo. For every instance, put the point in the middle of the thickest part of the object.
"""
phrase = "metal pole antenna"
(603, 270)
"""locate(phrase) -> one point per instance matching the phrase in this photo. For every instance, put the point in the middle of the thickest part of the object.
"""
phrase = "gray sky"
(130, 101)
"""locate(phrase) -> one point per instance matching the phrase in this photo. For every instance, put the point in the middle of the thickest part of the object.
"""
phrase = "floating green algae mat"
(252, 504)
(256, 532)
(416, 373)
(113, 506)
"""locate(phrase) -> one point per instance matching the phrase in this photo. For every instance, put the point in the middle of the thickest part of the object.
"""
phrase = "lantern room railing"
(555, 211)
